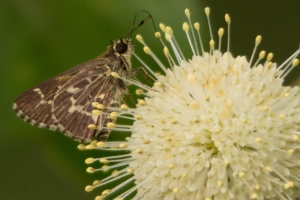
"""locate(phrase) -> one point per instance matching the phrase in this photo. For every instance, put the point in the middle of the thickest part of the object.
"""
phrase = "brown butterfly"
(65, 102)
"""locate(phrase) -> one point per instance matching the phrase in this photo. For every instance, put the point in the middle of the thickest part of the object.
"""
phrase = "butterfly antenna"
(141, 23)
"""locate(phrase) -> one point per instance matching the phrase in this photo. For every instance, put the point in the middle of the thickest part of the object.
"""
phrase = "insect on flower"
(74, 101)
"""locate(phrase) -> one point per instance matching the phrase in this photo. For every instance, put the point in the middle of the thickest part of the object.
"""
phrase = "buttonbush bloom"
(213, 126)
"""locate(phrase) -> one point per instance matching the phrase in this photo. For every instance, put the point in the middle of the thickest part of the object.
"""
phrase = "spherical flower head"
(215, 127)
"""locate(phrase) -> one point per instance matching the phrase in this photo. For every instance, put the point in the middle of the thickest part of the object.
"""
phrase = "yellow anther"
(206, 98)
(211, 43)
(139, 150)
(282, 116)
(142, 102)
(269, 65)
(114, 115)
(90, 170)
(286, 94)
(262, 54)
(265, 108)
(194, 105)
(195, 121)
(100, 144)
(89, 188)
(158, 84)
(81, 147)
(290, 151)
(124, 107)
(115, 74)
(270, 56)
(89, 160)
(221, 32)
(171, 166)
(123, 145)
(115, 173)
(267, 168)
(257, 140)
(257, 187)
(226, 162)
(140, 38)
(100, 106)
(174, 121)
(169, 30)
(92, 126)
(175, 190)
(99, 198)
(146, 142)
(157, 35)
(288, 185)
(227, 19)
(220, 183)
(258, 40)
(89, 147)
(162, 27)
(197, 26)
(253, 196)
(295, 137)
(105, 168)
(138, 117)
(129, 170)
(105, 192)
(97, 112)
(185, 27)
(94, 142)
(103, 161)
(166, 51)
(187, 13)
(295, 62)
(207, 11)
(241, 174)
(139, 91)
(184, 175)
(147, 50)
(111, 125)
(97, 182)
(94, 104)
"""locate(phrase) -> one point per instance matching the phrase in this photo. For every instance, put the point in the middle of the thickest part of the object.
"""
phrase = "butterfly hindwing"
(35, 104)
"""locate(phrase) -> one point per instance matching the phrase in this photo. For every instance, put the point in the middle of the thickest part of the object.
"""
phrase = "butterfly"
(66, 102)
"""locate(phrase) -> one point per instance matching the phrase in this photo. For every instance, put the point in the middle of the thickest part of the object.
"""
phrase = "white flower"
(212, 127)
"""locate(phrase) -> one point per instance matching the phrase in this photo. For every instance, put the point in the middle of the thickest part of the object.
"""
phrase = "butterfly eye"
(121, 47)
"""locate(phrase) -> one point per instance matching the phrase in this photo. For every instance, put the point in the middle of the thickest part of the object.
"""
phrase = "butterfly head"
(123, 47)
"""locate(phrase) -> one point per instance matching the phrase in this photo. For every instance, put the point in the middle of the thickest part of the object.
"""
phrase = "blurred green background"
(39, 39)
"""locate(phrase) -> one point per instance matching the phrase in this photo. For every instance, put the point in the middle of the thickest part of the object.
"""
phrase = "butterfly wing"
(72, 106)
(35, 104)
(64, 102)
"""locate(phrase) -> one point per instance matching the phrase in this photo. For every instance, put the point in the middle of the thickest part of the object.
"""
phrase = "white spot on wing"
(101, 96)
(42, 125)
(32, 122)
(73, 90)
(77, 108)
(38, 90)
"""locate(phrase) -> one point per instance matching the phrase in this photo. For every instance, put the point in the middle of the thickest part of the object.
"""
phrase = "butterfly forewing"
(64, 102)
